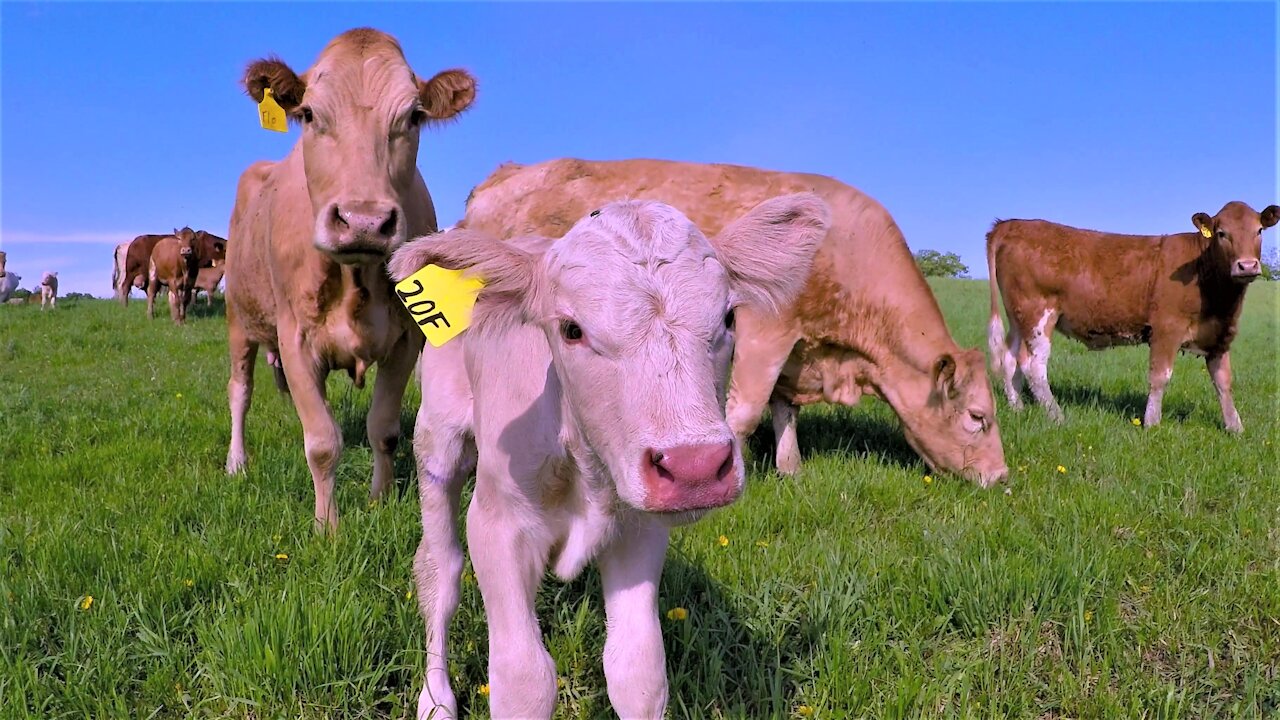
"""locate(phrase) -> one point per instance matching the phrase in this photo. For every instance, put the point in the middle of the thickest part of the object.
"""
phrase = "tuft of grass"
(1144, 581)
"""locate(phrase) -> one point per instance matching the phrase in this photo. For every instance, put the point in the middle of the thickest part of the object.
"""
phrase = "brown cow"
(133, 269)
(207, 279)
(1170, 292)
(866, 324)
(174, 263)
(310, 236)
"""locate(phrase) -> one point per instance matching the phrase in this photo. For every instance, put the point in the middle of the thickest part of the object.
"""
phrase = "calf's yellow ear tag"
(1205, 231)
(440, 301)
(270, 114)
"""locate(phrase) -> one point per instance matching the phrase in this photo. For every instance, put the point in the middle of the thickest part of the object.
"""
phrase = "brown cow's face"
(1235, 234)
(211, 248)
(361, 109)
(956, 430)
(187, 237)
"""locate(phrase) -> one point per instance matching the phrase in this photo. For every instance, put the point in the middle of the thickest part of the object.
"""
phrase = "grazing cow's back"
(634, 305)
(136, 268)
(1172, 292)
(867, 322)
(309, 238)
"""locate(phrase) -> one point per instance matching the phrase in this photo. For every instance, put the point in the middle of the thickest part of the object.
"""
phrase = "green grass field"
(1139, 579)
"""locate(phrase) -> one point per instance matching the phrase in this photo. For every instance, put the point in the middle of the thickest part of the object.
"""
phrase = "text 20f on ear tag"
(1205, 231)
(440, 301)
(270, 114)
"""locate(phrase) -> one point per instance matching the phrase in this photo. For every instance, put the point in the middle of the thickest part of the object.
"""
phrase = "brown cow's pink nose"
(691, 477)
(1247, 268)
(356, 223)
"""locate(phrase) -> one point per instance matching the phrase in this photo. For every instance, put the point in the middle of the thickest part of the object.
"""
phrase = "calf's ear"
(511, 273)
(1270, 216)
(271, 72)
(1203, 223)
(769, 251)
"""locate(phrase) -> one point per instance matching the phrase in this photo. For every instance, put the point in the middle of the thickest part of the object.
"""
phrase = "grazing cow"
(635, 305)
(135, 269)
(49, 290)
(1170, 292)
(8, 280)
(117, 266)
(310, 236)
(866, 323)
(174, 264)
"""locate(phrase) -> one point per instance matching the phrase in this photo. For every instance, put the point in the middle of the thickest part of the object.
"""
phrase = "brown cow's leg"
(321, 436)
(762, 349)
(787, 456)
(1158, 374)
(244, 354)
(383, 423)
(1034, 362)
(175, 306)
(1220, 371)
(153, 287)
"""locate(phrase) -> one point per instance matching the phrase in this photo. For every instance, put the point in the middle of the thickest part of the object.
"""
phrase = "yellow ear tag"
(440, 301)
(1205, 231)
(270, 114)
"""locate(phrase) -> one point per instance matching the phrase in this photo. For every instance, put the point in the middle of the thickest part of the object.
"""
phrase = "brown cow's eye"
(571, 331)
(417, 117)
(1222, 234)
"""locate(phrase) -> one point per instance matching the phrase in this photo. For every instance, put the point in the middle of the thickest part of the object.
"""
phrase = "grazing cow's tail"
(995, 327)
(115, 271)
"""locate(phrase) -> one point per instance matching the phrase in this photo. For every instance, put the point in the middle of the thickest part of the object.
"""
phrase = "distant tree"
(20, 293)
(938, 264)
(77, 296)
(1271, 265)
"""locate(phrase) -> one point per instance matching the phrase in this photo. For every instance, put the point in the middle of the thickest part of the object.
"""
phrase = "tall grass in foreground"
(1125, 573)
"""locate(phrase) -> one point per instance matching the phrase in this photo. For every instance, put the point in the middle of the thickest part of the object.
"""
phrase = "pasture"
(1125, 572)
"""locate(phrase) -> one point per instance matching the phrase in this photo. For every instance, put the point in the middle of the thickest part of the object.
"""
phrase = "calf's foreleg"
(1220, 371)
(634, 661)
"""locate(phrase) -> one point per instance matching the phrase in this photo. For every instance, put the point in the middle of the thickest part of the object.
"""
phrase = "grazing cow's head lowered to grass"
(361, 108)
(637, 306)
(1235, 238)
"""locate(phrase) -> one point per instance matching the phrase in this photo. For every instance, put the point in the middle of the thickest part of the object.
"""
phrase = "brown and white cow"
(633, 304)
(133, 267)
(175, 260)
(310, 236)
(866, 324)
(1170, 292)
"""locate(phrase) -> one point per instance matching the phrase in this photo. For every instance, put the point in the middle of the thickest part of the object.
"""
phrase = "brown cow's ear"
(447, 94)
(286, 87)
(1270, 216)
(1203, 223)
(944, 375)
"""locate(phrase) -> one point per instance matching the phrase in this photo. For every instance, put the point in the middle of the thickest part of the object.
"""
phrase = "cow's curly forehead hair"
(642, 232)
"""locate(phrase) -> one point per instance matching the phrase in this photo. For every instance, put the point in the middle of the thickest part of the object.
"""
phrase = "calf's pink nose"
(695, 464)
(690, 477)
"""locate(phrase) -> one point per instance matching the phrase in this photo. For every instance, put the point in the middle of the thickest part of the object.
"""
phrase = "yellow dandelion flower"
(484, 690)
(560, 683)
(678, 614)
(189, 582)
(1137, 422)
(409, 594)
(275, 539)
(1088, 615)
(928, 479)
(179, 396)
(86, 602)
(1062, 469)
(804, 711)
(724, 541)
(1144, 589)
(762, 543)
(282, 556)
(1022, 468)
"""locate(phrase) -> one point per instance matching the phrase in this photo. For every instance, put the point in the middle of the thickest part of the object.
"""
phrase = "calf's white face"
(637, 307)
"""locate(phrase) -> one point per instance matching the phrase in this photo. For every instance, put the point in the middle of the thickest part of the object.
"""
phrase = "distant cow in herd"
(633, 304)
(1171, 292)
(8, 280)
(175, 264)
(866, 324)
(131, 260)
(310, 236)
(49, 290)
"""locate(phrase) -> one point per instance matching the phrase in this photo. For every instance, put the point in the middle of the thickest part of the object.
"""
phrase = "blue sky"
(118, 119)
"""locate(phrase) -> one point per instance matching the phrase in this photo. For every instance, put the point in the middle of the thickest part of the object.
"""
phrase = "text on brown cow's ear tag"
(1205, 231)
(440, 301)
(270, 114)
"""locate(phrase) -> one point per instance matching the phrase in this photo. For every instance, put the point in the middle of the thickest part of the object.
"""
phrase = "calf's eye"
(571, 331)
(307, 116)
(728, 320)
